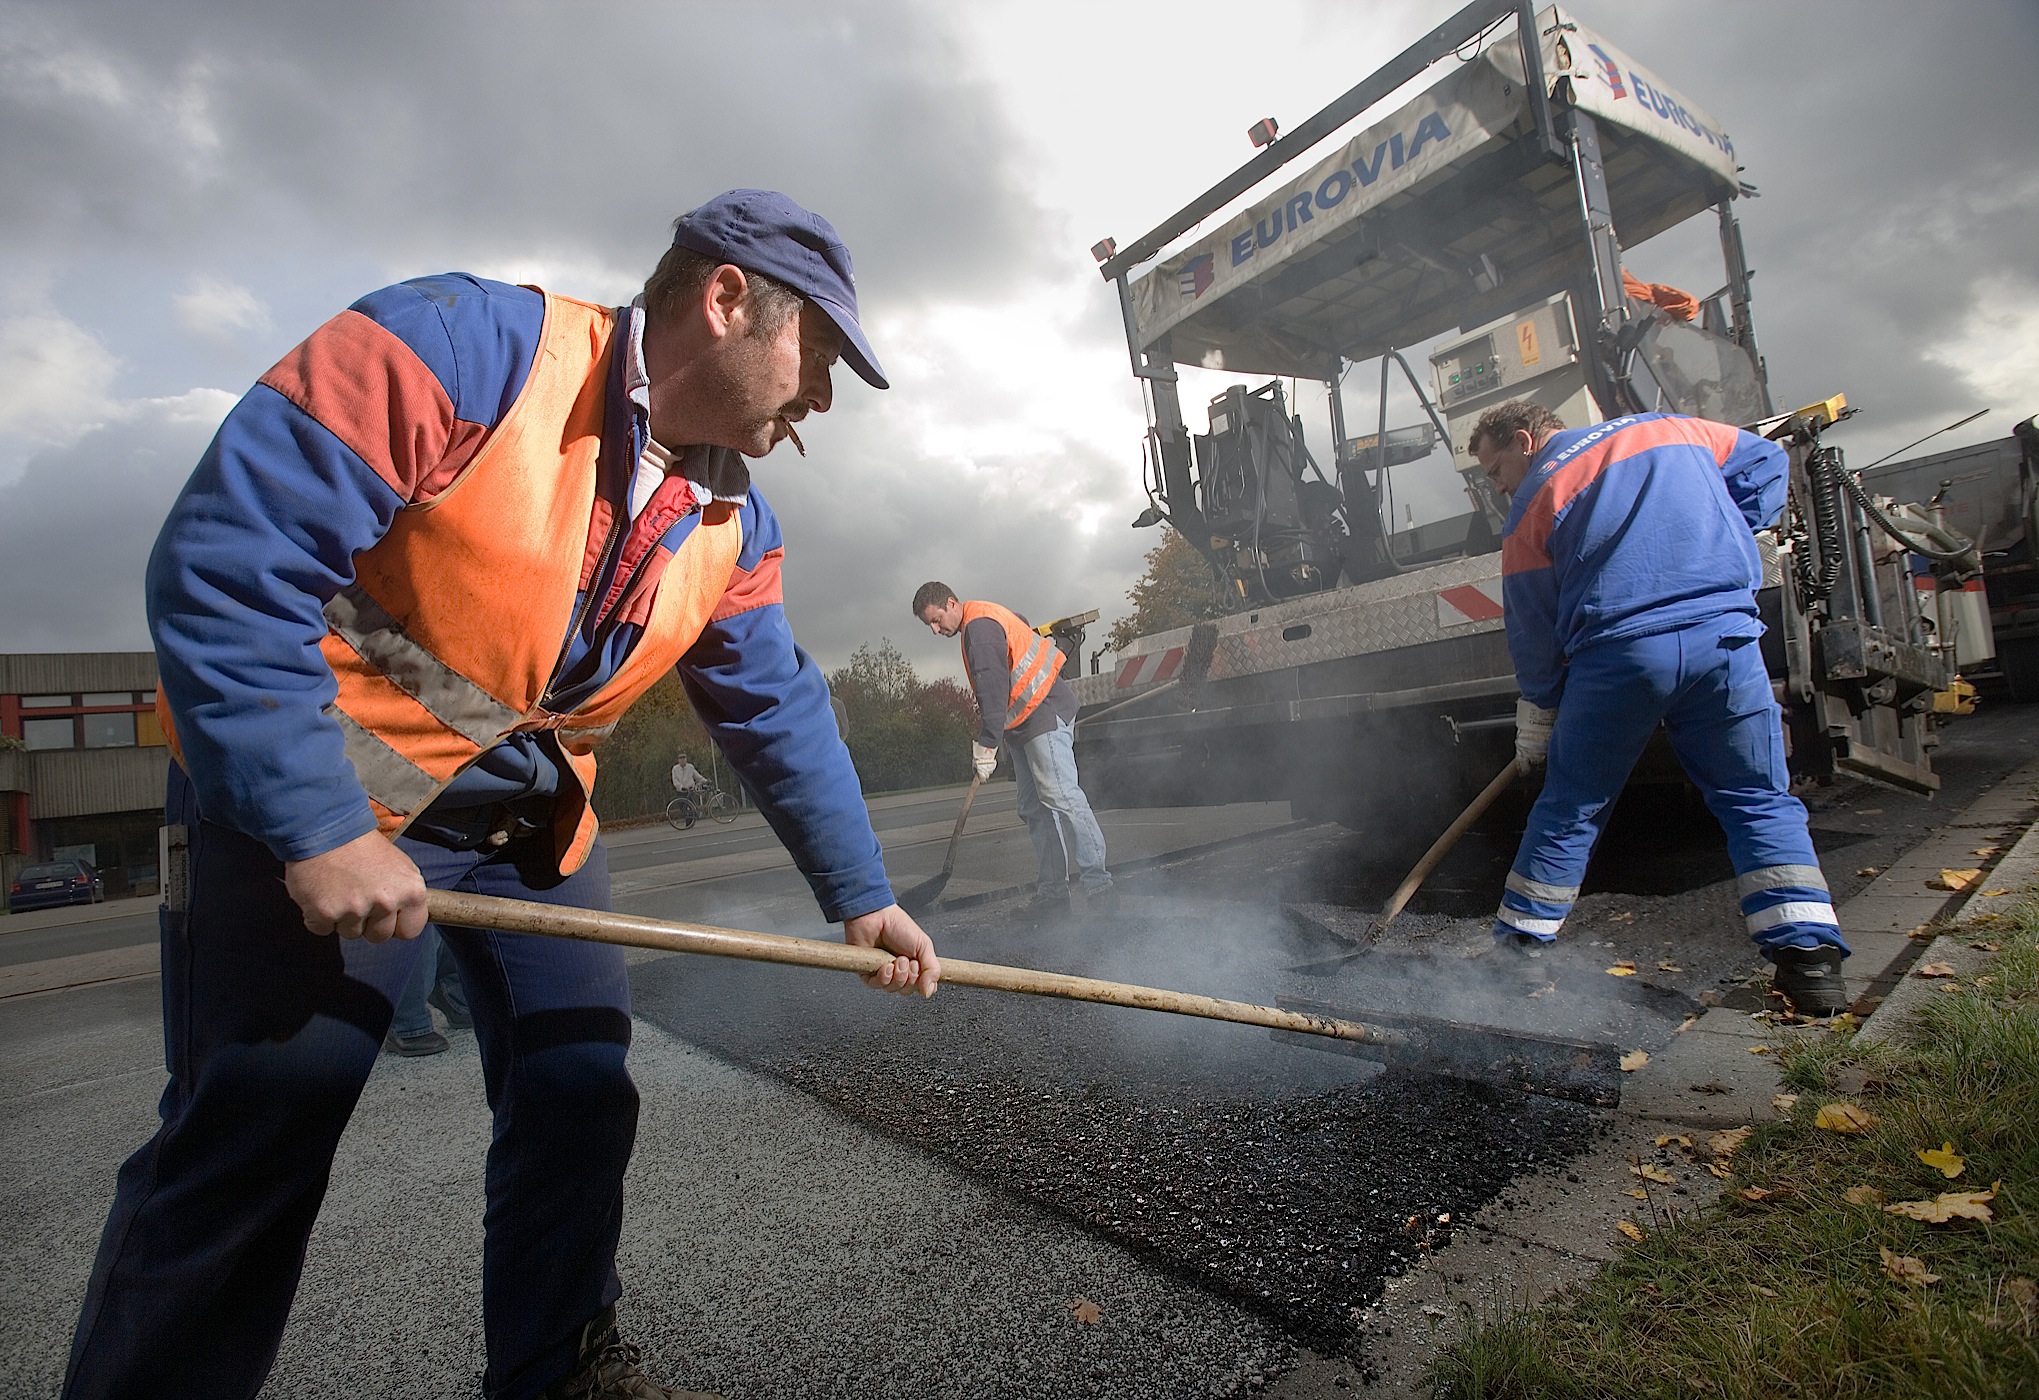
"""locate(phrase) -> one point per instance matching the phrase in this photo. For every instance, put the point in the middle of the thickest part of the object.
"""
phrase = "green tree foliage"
(1175, 591)
(904, 732)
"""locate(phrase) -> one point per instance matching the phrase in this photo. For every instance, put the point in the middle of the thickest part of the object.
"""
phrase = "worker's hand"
(914, 966)
(982, 759)
(364, 889)
(1533, 726)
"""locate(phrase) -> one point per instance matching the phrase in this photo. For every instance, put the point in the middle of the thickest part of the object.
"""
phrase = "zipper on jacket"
(580, 613)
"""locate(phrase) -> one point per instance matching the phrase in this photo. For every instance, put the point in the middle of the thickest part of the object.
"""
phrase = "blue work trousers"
(270, 1032)
(1707, 685)
(1058, 816)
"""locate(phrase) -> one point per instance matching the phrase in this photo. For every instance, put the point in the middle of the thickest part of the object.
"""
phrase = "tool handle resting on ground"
(451, 907)
(923, 895)
(1441, 847)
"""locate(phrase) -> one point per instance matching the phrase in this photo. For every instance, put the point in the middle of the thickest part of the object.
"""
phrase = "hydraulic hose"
(1826, 522)
(1829, 461)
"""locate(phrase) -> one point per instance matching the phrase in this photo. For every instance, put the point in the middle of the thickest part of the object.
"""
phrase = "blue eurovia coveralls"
(1629, 570)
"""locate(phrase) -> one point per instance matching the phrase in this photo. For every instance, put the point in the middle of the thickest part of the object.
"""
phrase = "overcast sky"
(188, 189)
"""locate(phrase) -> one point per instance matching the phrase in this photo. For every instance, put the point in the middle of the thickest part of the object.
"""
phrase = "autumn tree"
(1175, 591)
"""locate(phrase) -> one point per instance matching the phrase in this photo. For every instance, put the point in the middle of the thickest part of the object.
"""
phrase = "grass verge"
(1799, 1281)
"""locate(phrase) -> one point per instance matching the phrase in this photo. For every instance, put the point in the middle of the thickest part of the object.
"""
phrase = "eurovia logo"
(1610, 71)
(1196, 275)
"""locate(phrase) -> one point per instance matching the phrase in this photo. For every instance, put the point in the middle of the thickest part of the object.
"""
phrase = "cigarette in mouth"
(798, 446)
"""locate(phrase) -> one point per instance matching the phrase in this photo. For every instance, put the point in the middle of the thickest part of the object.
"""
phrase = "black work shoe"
(1045, 909)
(430, 1043)
(1810, 979)
(607, 1368)
(456, 1019)
(1514, 960)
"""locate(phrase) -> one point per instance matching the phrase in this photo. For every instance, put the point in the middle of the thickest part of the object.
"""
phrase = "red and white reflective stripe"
(1152, 667)
(1470, 602)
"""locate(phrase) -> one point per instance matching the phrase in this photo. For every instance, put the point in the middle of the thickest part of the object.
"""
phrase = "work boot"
(1045, 909)
(1810, 979)
(457, 1018)
(607, 1368)
(412, 1046)
(1515, 960)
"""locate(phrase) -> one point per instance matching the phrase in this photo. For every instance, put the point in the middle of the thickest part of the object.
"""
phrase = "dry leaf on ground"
(1992, 894)
(1870, 870)
(1943, 1159)
(1622, 969)
(1956, 880)
(1674, 1140)
(1784, 1103)
(1756, 1193)
(1759, 1049)
(1930, 970)
(1637, 1192)
(2019, 1296)
(1085, 1311)
(1948, 1205)
(1862, 1196)
(1669, 967)
(1904, 1268)
(1987, 947)
(1719, 1169)
(1986, 850)
(1766, 1292)
(1634, 1060)
(1725, 1143)
(1630, 1228)
(1844, 1117)
(1656, 1174)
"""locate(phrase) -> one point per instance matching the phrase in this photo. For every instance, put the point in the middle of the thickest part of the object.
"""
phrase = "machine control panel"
(1534, 342)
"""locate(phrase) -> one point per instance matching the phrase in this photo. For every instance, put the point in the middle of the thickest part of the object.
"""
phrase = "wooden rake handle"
(635, 931)
(1441, 847)
(956, 836)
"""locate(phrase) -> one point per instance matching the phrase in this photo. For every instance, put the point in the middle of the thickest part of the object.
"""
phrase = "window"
(47, 734)
(44, 702)
(110, 731)
(110, 697)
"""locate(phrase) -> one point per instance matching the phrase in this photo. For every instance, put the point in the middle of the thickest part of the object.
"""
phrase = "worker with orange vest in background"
(1023, 702)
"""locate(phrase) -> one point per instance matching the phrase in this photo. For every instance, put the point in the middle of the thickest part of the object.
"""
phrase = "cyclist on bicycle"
(688, 781)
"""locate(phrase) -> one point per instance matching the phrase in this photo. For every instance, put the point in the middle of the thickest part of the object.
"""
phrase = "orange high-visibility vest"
(446, 641)
(1035, 661)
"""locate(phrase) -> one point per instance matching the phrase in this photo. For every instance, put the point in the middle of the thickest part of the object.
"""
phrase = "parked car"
(53, 883)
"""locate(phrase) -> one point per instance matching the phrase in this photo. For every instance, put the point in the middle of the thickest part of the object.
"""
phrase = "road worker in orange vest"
(1023, 702)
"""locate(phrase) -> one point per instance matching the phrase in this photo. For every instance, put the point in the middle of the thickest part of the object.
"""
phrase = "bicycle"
(686, 809)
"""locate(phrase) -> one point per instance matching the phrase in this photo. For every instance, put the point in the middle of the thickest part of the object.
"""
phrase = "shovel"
(922, 896)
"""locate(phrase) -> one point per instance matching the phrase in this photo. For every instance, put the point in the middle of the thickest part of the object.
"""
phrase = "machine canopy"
(1442, 215)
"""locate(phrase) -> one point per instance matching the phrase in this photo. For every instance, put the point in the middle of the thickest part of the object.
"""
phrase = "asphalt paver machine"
(1359, 671)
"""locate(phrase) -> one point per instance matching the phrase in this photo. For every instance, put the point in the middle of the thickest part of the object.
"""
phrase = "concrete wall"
(61, 673)
(81, 782)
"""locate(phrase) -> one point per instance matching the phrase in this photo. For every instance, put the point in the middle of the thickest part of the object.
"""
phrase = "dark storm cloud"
(417, 132)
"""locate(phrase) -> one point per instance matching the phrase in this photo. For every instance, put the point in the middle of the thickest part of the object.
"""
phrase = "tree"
(1175, 591)
(904, 732)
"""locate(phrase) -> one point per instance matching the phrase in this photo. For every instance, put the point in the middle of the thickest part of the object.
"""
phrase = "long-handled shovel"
(922, 896)
(1562, 1069)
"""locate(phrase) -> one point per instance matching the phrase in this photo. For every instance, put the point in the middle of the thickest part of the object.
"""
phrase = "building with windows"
(82, 764)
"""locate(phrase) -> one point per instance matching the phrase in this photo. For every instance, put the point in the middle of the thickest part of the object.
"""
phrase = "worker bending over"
(1022, 700)
(1629, 570)
(427, 563)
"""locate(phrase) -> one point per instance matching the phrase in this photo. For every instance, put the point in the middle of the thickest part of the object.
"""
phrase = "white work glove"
(1532, 733)
(982, 759)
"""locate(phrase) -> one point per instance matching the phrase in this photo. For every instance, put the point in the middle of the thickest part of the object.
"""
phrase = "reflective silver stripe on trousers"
(1537, 889)
(1516, 919)
(451, 698)
(1779, 877)
(390, 778)
(1791, 914)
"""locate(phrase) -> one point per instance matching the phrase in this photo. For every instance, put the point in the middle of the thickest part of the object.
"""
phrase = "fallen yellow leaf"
(1630, 1228)
(1674, 1140)
(1687, 1024)
(1943, 1159)
(1992, 894)
(1844, 1117)
(1669, 967)
(1637, 1192)
(1987, 947)
(1948, 1205)
(1784, 1103)
(1622, 969)
(1954, 879)
(1656, 1174)
(1724, 1144)
(1930, 970)
(1862, 1196)
(1085, 1311)
(1986, 850)
(1634, 1060)
(1719, 1169)
(1759, 1049)
(1904, 1268)
(1756, 1193)
(1870, 870)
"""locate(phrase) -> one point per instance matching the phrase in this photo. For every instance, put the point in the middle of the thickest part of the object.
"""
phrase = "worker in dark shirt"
(1023, 702)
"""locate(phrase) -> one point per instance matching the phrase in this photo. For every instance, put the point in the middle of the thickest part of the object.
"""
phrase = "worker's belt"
(490, 827)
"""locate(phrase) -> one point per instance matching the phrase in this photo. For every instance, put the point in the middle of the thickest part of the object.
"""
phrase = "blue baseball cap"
(763, 231)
